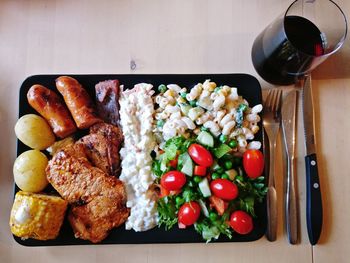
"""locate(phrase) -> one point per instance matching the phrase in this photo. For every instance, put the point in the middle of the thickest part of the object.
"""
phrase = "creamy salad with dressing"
(136, 114)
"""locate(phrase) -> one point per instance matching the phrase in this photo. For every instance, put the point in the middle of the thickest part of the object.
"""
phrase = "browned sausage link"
(49, 105)
(78, 101)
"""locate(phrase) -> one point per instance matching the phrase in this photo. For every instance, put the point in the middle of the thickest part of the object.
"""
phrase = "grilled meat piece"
(107, 93)
(97, 199)
(90, 221)
(102, 147)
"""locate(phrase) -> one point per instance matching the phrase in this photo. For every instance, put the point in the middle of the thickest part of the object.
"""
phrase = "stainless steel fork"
(271, 123)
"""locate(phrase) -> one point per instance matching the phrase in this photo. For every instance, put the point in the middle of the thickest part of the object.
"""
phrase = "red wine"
(285, 51)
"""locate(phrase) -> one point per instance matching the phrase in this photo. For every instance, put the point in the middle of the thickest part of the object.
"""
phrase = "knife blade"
(289, 111)
(314, 214)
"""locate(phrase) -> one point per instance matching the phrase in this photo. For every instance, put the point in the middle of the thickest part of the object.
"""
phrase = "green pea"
(232, 144)
(223, 138)
(183, 95)
(193, 103)
(162, 88)
(179, 200)
(197, 179)
(228, 165)
(224, 176)
(213, 216)
(160, 123)
(215, 176)
(204, 129)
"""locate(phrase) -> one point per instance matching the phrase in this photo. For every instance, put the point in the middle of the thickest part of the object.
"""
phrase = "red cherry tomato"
(224, 189)
(200, 155)
(189, 213)
(200, 170)
(253, 163)
(241, 222)
(173, 180)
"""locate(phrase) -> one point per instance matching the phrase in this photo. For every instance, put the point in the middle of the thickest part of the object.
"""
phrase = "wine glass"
(299, 40)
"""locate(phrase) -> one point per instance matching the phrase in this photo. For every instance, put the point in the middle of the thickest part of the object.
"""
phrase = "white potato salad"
(136, 115)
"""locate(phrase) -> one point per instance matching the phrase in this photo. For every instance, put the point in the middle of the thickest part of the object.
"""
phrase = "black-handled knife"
(314, 214)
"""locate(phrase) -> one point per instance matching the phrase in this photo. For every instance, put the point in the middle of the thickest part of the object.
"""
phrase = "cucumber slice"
(204, 187)
(187, 167)
(203, 207)
(221, 150)
(206, 139)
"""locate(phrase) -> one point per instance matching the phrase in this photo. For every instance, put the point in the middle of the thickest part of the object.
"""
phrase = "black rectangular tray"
(248, 87)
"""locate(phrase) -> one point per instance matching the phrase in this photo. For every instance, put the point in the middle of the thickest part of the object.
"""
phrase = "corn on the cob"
(37, 216)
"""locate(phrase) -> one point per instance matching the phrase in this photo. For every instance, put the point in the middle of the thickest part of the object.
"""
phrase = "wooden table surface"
(184, 36)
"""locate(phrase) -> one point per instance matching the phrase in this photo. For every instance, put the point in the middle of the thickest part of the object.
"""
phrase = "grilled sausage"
(49, 105)
(78, 101)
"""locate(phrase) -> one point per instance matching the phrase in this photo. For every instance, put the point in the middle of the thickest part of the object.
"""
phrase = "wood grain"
(163, 36)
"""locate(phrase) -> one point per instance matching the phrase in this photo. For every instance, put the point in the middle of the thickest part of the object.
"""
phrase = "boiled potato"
(34, 132)
(29, 171)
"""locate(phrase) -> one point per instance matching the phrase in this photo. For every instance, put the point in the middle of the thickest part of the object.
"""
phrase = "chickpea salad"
(208, 166)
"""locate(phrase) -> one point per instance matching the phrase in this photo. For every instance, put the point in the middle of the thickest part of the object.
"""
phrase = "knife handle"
(291, 204)
(314, 213)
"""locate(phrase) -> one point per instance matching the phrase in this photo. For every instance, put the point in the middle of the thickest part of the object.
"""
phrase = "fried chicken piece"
(102, 147)
(97, 199)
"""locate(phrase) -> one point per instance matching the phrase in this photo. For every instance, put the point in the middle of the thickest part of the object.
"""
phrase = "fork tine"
(268, 100)
(275, 100)
(279, 101)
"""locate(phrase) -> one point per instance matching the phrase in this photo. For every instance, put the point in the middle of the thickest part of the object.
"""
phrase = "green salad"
(206, 184)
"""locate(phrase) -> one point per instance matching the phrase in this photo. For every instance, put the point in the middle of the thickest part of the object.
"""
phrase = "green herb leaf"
(167, 212)
(240, 113)
(156, 168)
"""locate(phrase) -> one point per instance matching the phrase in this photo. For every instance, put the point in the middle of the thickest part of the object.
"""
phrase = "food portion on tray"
(137, 157)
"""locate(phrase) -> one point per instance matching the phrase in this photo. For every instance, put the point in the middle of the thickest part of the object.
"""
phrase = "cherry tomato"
(253, 163)
(189, 213)
(241, 222)
(200, 170)
(224, 189)
(173, 180)
(200, 155)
